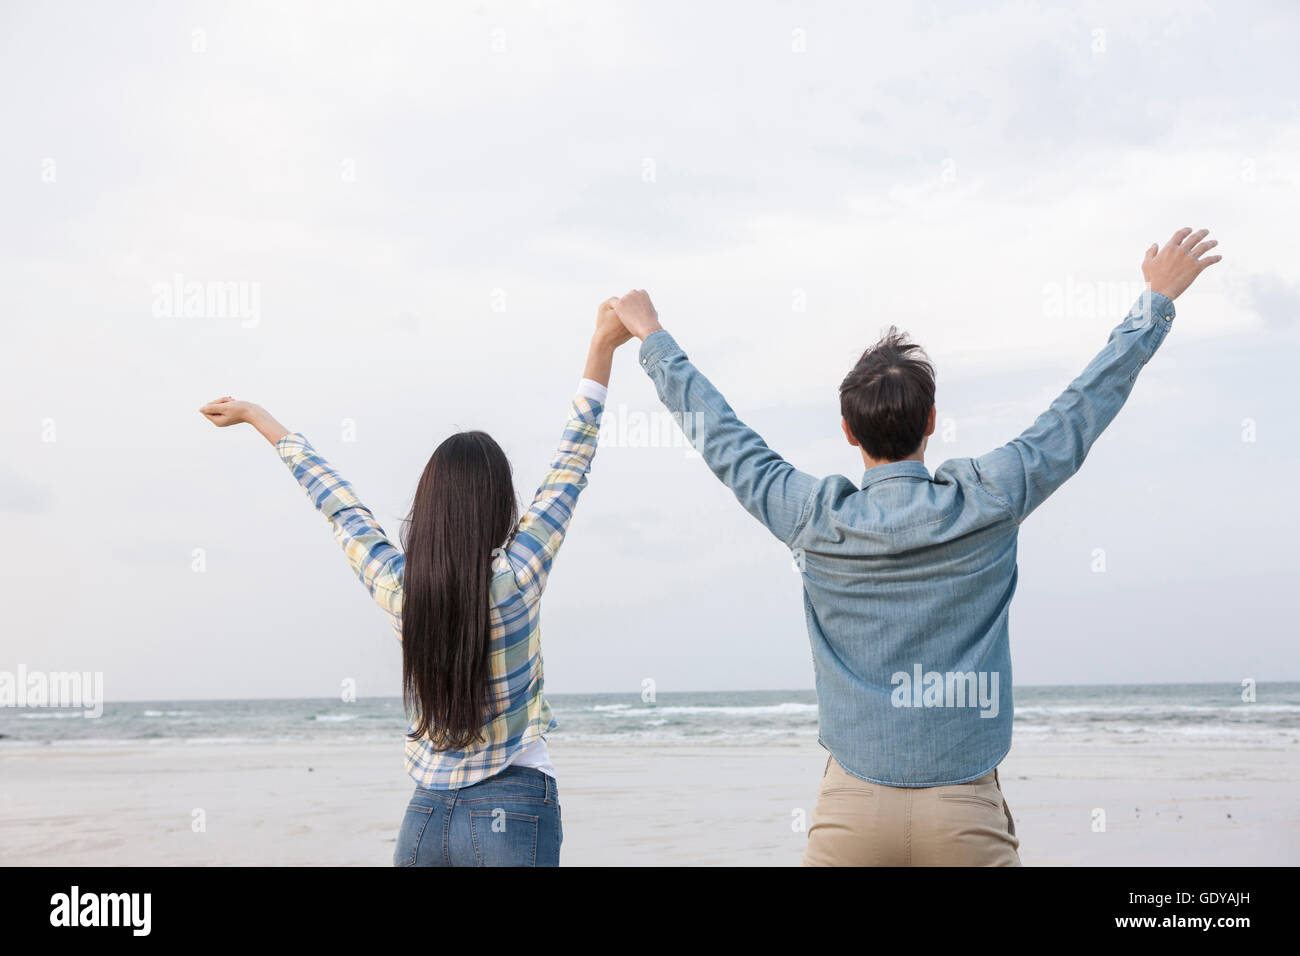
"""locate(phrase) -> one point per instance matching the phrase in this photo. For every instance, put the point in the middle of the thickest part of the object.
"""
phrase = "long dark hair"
(464, 510)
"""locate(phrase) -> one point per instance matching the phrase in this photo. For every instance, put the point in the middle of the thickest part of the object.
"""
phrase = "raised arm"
(541, 530)
(1026, 470)
(766, 485)
(374, 558)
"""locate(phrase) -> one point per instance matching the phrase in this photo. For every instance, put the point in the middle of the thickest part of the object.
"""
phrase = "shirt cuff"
(292, 444)
(656, 347)
(1155, 306)
(592, 390)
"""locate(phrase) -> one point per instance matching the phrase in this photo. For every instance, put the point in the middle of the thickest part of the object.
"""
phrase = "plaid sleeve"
(374, 558)
(541, 530)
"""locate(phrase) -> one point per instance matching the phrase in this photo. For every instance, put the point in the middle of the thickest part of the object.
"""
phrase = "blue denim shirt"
(908, 577)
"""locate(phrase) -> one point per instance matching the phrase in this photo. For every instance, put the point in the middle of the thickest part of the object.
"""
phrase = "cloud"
(433, 199)
(20, 495)
(1276, 300)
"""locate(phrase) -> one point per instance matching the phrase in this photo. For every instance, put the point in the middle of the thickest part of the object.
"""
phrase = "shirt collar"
(895, 469)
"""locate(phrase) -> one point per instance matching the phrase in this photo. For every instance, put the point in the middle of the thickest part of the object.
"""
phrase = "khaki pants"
(857, 823)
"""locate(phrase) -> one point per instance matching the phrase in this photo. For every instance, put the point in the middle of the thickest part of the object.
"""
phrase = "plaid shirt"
(520, 713)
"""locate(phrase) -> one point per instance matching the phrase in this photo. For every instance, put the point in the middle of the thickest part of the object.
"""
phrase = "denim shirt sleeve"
(1026, 470)
(769, 487)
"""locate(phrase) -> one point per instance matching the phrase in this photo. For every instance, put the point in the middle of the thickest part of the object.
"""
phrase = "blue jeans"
(512, 819)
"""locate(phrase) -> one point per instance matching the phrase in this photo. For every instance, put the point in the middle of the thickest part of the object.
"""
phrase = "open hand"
(1171, 270)
(226, 411)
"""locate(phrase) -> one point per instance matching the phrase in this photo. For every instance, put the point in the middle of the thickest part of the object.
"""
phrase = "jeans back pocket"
(414, 822)
(503, 837)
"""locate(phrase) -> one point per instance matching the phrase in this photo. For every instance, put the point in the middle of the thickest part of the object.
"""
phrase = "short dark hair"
(887, 397)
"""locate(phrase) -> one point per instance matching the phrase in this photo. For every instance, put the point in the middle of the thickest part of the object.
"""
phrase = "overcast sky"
(428, 201)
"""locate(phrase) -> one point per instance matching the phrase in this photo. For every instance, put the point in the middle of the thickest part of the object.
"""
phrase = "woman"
(464, 600)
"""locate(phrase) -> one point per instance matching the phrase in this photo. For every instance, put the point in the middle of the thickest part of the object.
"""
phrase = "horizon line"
(761, 690)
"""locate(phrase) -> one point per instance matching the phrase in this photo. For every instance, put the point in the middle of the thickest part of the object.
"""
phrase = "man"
(908, 578)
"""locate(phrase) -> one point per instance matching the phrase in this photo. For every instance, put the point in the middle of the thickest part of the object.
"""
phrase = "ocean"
(1209, 713)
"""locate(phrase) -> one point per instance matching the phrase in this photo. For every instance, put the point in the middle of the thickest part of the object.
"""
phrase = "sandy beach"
(339, 804)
